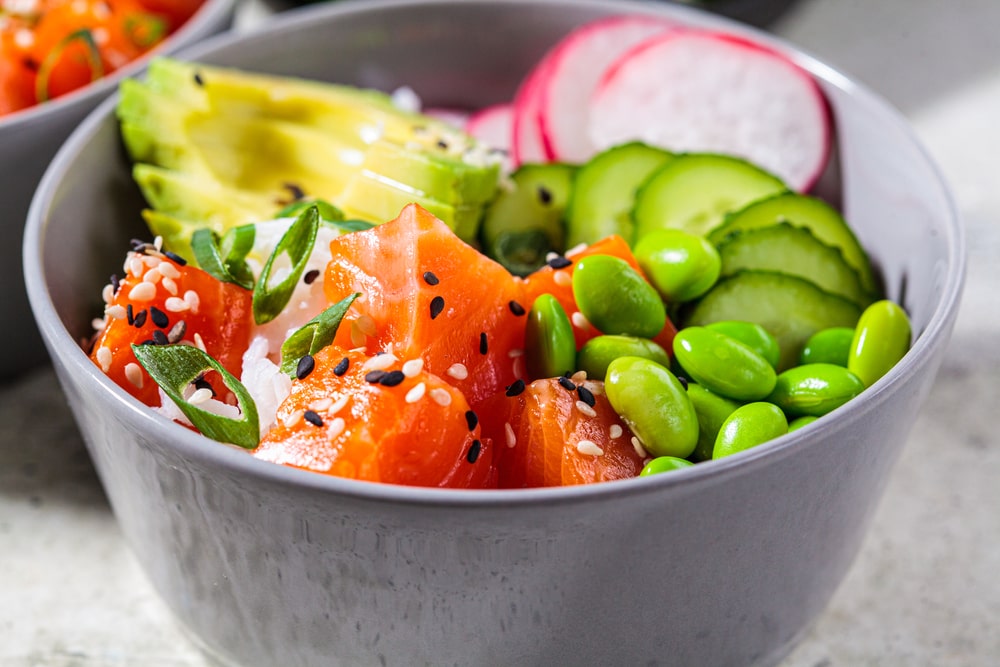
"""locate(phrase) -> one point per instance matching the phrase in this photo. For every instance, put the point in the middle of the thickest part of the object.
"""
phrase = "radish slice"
(527, 142)
(494, 126)
(454, 117)
(703, 91)
(578, 62)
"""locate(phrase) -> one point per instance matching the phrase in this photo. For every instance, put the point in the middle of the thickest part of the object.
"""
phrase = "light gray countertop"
(925, 589)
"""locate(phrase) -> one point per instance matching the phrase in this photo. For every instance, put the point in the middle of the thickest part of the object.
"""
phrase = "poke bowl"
(31, 132)
(726, 562)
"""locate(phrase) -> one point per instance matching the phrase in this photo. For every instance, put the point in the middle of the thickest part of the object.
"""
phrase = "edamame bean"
(749, 425)
(664, 464)
(723, 364)
(799, 422)
(616, 299)
(881, 338)
(654, 404)
(549, 345)
(815, 389)
(598, 352)
(828, 346)
(682, 266)
(712, 411)
(753, 335)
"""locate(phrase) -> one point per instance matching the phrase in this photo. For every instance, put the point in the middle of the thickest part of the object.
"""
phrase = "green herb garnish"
(297, 243)
(225, 259)
(314, 335)
(145, 30)
(174, 367)
(327, 211)
(92, 55)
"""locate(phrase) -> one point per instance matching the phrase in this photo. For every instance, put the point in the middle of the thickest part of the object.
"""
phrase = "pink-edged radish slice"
(527, 142)
(577, 64)
(494, 126)
(709, 92)
(454, 117)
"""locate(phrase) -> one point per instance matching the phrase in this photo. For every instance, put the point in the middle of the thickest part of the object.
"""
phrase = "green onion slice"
(145, 30)
(225, 259)
(93, 55)
(297, 243)
(327, 211)
(314, 335)
(174, 367)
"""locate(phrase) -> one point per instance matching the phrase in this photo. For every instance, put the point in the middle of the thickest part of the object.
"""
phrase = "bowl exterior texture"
(723, 564)
(28, 140)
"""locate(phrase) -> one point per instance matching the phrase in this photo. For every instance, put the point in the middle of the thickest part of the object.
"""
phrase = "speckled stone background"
(925, 590)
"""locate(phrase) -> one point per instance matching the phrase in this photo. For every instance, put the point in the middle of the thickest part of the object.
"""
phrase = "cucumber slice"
(525, 222)
(820, 218)
(604, 192)
(694, 191)
(791, 309)
(785, 248)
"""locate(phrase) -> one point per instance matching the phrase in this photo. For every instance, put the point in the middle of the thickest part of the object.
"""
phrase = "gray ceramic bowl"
(726, 563)
(28, 140)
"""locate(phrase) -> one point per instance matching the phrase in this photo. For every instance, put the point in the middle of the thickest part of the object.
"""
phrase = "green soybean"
(753, 335)
(749, 425)
(616, 299)
(881, 338)
(549, 345)
(799, 422)
(653, 403)
(815, 389)
(712, 411)
(828, 346)
(664, 464)
(681, 265)
(598, 352)
(723, 364)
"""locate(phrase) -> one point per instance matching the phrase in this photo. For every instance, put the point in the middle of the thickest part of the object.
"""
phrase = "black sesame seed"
(474, 449)
(305, 367)
(310, 276)
(567, 384)
(442, 144)
(159, 317)
(298, 194)
(559, 262)
(391, 379)
(136, 244)
(471, 419)
(115, 283)
(544, 195)
(201, 383)
(130, 314)
(175, 257)
(160, 338)
(515, 388)
(516, 308)
(148, 341)
(312, 418)
(374, 377)
(483, 344)
(586, 395)
(341, 366)
(437, 305)
(683, 380)
(140, 319)
(198, 80)
(430, 278)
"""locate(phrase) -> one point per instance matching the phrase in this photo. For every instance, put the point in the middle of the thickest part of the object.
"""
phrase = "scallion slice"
(174, 367)
(225, 259)
(92, 55)
(314, 335)
(297, 243)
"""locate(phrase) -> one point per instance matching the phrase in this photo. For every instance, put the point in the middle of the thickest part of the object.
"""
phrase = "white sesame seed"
(339, 404)
(441, 396)
(193, 300)
(153, 275)
(200, 396)
(158, 243)
(578, 377)
(379, 362)
(135, 266)
(104, 358)
(579, 320)
(589, 447)
(100, 35)
(509, 432)
(321, 404)
(516, 352)
(615, 431)
(175, 304)
(358, 338)
(562, 278)
(579, 247)
(142, 292)
(133, 373)
(169, 270)
(290, 420)
(167, 282)
(458, 371)
(366, 324)
(586, 409)
(413, 367)
(518, 367)
(416, 393)
(24, 38)
(551, 255)
(198, 342)
(108, 293)
(337, 427)
(596, 388)
(98, 323)
(639, 449)
(116, 312)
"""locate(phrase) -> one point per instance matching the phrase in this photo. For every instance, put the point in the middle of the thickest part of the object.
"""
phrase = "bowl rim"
(209, 14)
(192, 446)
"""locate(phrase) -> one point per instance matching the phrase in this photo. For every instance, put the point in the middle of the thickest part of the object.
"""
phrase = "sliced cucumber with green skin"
(604, 192)
(790, 308)
(694, 192)
(785, 248)
(817, 216)
(526, 222)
